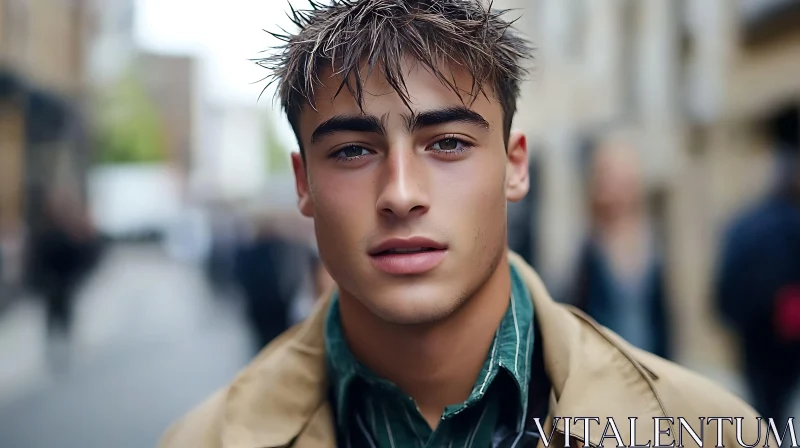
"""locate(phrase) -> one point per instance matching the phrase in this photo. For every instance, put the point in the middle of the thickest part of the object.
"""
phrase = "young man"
(436, 334)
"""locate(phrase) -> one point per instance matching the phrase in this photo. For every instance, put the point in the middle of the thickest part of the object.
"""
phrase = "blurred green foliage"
(130, 128)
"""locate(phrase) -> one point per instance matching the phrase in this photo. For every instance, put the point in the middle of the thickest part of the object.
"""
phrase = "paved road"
(150, 342)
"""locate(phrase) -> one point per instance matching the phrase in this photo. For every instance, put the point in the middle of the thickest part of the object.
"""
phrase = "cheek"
(341, 205)
(472, 194)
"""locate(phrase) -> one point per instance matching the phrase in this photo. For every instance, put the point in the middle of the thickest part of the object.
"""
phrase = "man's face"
(409, 206)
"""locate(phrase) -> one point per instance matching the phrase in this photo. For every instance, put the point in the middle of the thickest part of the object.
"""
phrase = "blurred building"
(169, 80)
(112, 47)
(42, 102)
(154, 100)
(57, 60)
(230, 164)
(161, 92)
(695, 79)
(750, 64)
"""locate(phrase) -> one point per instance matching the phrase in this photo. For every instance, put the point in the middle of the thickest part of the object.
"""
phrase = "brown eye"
(449, 145)
(352, 151)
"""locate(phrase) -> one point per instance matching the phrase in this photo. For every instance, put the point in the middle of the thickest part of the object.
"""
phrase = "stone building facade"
(696, 79)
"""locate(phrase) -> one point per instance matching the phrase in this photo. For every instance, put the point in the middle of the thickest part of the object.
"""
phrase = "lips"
(407, 245)
(407, 250)
(412, 256)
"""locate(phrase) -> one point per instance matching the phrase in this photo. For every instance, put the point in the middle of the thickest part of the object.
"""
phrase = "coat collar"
(284, 391)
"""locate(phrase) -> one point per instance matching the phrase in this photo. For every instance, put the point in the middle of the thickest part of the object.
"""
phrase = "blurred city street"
(148, 204)
(150, 341)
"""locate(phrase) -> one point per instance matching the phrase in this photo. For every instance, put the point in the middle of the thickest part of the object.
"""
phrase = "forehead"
(425, 90)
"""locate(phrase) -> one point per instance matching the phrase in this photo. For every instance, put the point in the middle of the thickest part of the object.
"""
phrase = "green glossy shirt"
(373, 412)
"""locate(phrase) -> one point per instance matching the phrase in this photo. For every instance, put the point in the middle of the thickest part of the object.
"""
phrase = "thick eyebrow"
(351, 123)
(446, 115)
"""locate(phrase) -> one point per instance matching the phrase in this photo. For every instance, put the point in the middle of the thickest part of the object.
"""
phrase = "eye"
(449, 145)
(351, 152)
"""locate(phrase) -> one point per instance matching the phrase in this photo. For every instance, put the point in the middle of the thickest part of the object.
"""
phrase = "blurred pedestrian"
(65, 247)
(620, 279)
(220, 263)
(758, 284)
(317, 283)
(270, 270)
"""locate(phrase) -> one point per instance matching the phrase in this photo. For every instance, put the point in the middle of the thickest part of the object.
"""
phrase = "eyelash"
(465, 146)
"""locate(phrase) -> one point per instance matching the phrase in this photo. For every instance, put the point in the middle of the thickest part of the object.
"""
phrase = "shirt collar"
(343, 367)
(514, 339)
(511, 351)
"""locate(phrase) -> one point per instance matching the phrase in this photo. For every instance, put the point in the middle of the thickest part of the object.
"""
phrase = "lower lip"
(408, 264)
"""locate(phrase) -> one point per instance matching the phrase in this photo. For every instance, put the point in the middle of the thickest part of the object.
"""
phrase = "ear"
(517, 176)
(301, 183)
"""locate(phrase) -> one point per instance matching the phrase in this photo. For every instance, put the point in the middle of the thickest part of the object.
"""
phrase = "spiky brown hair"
(346, 34)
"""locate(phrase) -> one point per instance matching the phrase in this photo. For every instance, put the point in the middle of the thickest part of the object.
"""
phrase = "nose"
(403, 191)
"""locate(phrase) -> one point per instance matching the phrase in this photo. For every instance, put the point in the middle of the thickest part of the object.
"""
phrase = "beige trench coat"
(280, 399)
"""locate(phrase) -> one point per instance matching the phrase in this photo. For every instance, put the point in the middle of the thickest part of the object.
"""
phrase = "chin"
(415, 306)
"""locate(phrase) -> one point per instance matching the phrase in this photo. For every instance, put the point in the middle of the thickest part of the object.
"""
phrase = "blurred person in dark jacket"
(220, 265)
(317, 283)
(65, 247)
(619, 279)
(270, 269)
(758, 285)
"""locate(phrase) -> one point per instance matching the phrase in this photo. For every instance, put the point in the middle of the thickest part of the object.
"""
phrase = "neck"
(447, 355)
